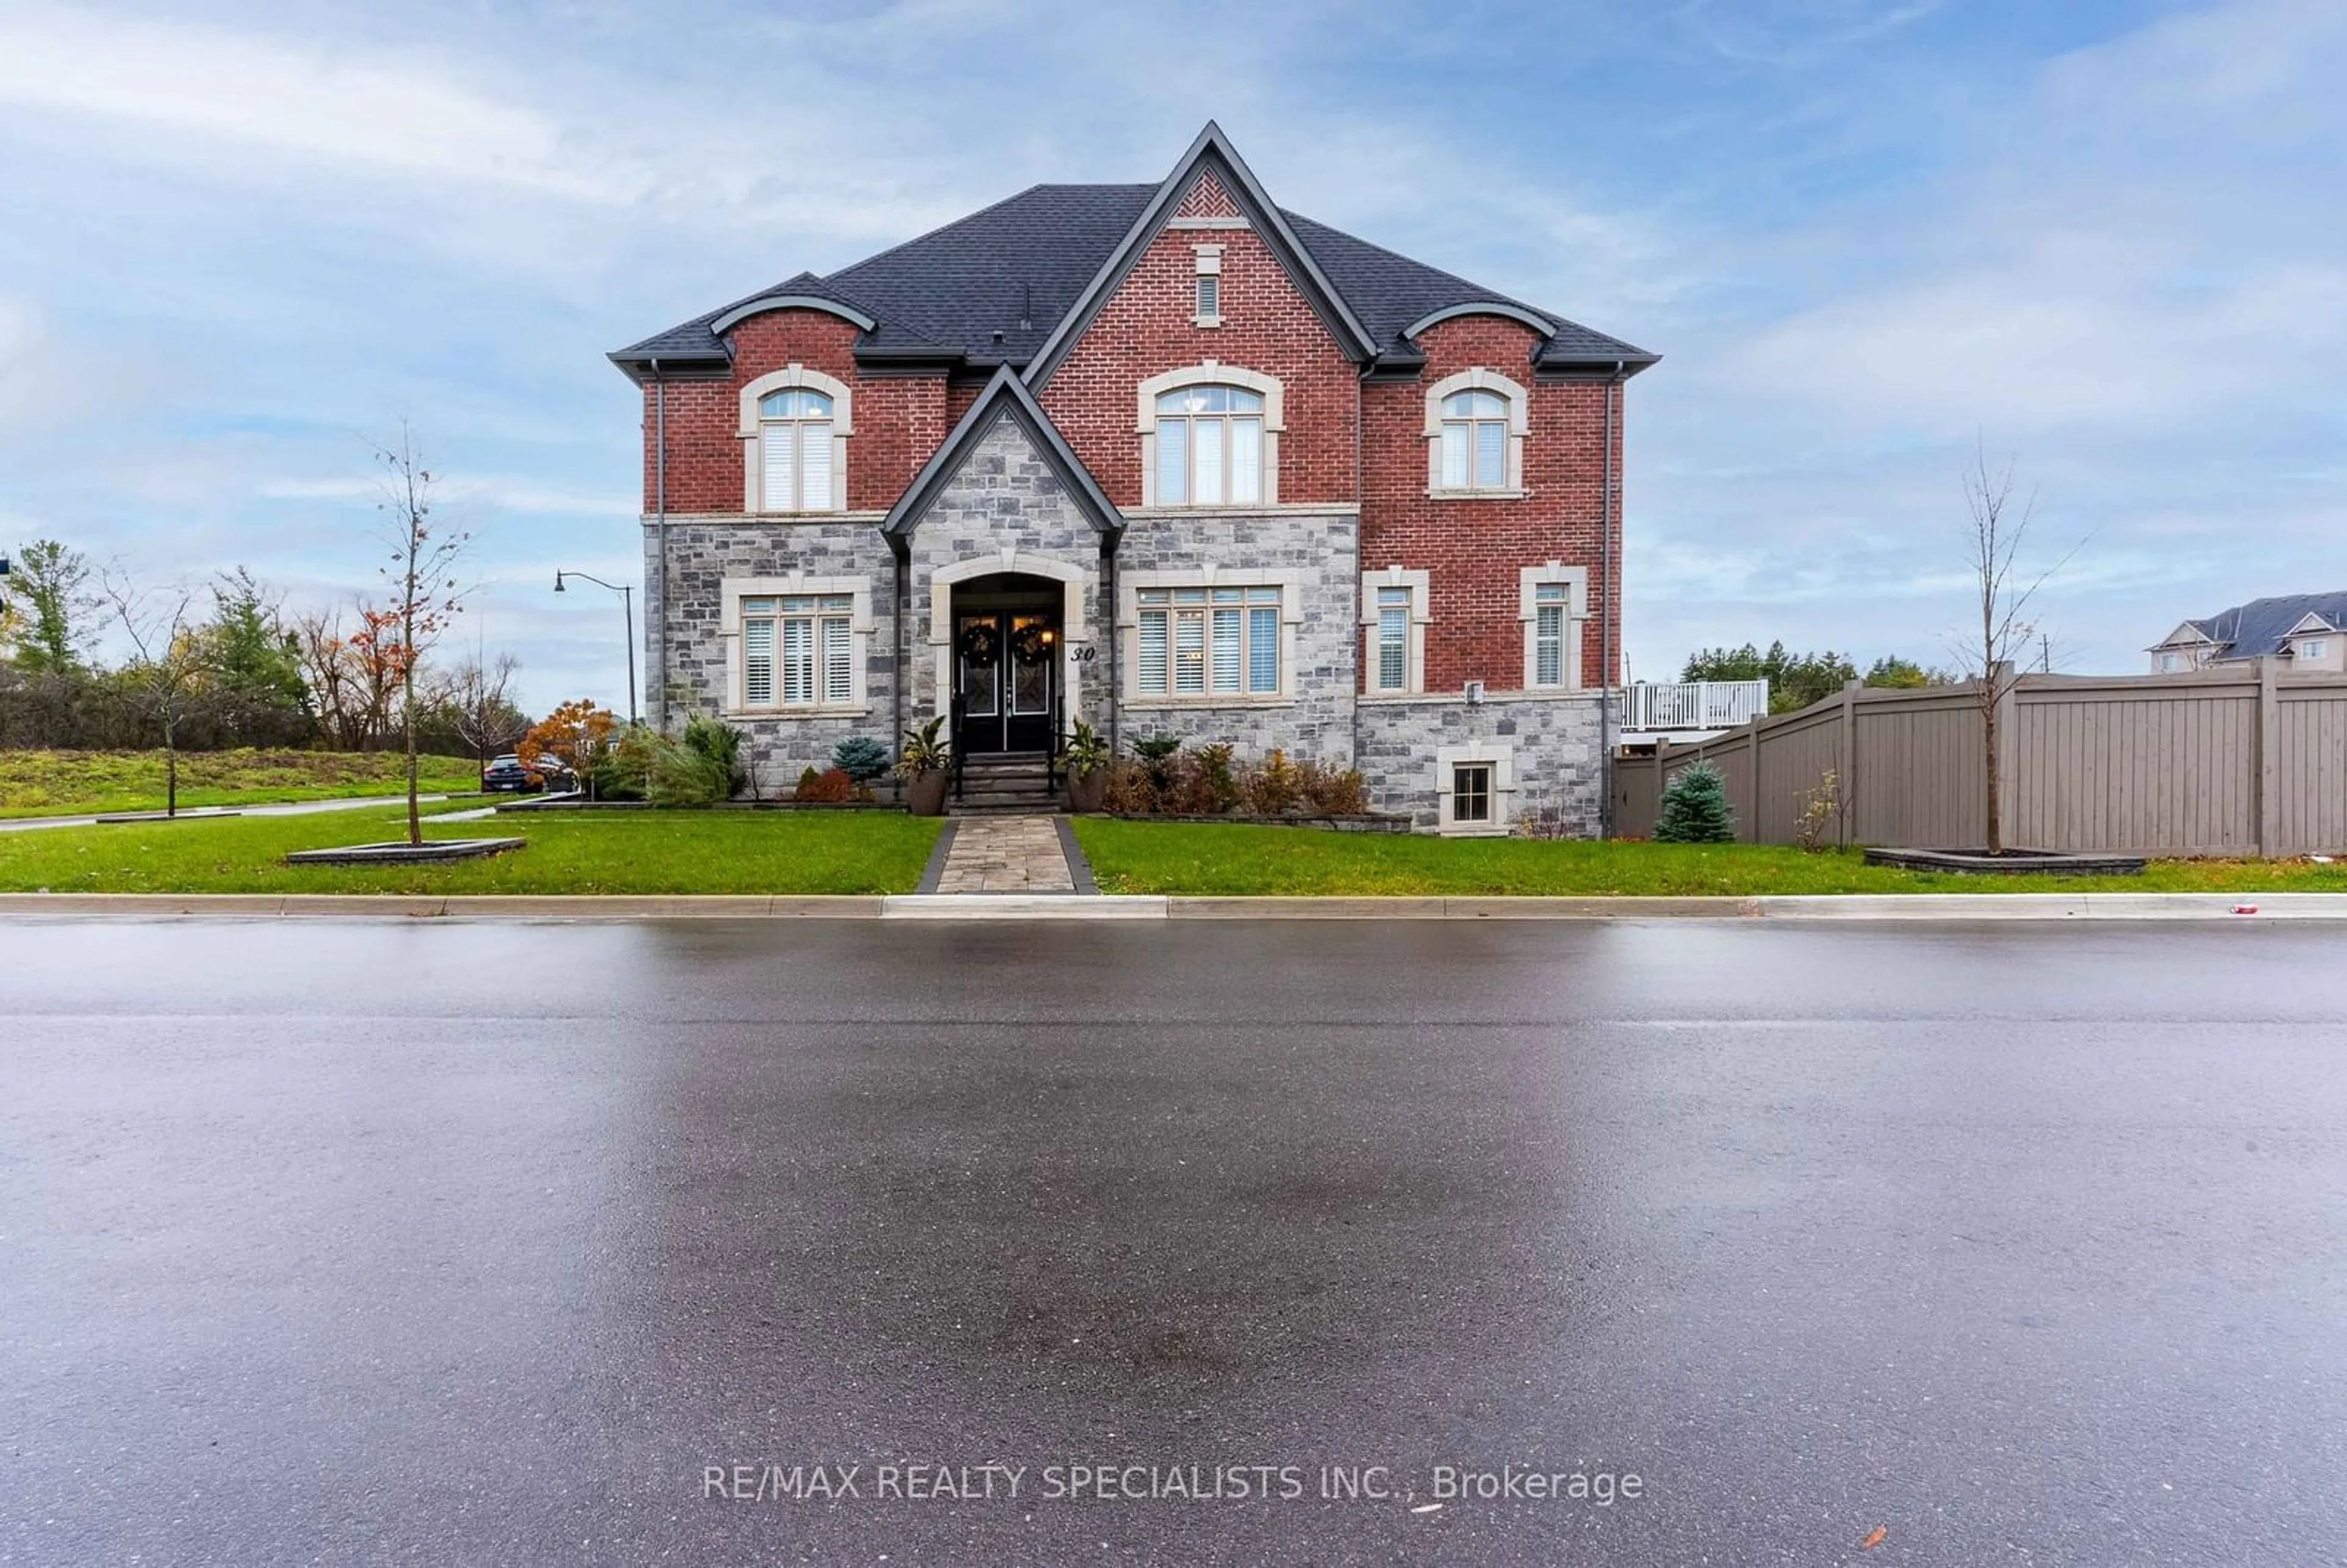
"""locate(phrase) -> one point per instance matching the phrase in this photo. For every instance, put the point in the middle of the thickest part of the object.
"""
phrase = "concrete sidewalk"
(1029, 907)
(201, 813)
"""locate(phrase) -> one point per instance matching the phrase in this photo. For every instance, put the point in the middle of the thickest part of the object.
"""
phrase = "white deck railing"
(1694, 705)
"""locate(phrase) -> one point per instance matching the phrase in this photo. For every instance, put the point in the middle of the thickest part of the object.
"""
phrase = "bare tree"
(168, 662)
(2006, 633)
(479, 699)
(424, 597)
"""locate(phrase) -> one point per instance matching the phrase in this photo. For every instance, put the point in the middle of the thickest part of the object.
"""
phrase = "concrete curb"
(1020, 907)
(460, 907)
(1120, 907)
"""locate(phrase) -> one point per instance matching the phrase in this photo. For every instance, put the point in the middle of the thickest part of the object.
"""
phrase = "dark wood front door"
(1006, 677)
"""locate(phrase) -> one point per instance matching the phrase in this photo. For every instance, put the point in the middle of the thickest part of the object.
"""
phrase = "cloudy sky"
(242, 241)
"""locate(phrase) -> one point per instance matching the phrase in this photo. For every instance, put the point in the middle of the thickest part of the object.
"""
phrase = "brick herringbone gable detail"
(1207, 199)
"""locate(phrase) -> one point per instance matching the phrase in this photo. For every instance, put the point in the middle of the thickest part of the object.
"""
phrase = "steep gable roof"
(999, 285)
(1211, 153)
(1006, 394)
(2264, 626)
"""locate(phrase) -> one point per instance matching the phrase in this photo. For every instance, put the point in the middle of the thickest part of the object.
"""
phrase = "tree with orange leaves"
(574, 734)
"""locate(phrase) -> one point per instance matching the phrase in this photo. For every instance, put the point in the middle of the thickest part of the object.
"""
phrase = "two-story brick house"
(1161, 457)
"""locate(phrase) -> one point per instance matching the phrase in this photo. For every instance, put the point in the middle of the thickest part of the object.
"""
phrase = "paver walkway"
(1006, 855)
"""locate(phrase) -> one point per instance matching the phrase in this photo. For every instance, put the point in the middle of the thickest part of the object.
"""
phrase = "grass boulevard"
(73, 784)
(742, 852)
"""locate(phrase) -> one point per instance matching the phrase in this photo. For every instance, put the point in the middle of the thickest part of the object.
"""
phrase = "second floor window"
(1474, 441)
(1549, 607)
(1209, 446)
(795, 431)
(796, 650)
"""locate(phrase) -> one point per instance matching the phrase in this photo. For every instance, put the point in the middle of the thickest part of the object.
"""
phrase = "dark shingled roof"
(947, 293)
(2264, 625)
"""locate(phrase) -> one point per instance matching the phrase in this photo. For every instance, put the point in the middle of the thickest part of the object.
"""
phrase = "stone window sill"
(1436, 495)
(1247, 509)
(1180, 704)
(801, 710)
(1533, 694)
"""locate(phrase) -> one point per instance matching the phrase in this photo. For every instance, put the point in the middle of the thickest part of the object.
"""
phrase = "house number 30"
(1084, 653)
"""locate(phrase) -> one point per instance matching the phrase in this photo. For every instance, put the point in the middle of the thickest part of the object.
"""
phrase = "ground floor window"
(1475, 787)
(1208, 642)
(798, 649)
(1470, 793)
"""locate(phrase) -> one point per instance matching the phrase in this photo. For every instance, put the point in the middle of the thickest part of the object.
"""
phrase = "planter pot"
(1088, 792)
(925, 795)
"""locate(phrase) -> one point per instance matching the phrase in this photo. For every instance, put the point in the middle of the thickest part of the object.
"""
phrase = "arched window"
(1210, 436)
(1209, 446)
(1475, 424)
(794, 445)
(796, 423)
(1474, 441)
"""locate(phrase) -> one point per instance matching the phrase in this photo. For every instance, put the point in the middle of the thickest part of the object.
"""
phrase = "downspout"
(896, 676)
(1605, 733)
(656, 622)
(1360, 522)
(1109, 613)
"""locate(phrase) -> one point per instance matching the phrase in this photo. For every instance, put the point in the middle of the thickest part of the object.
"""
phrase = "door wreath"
(1031, 644)
(980, 642)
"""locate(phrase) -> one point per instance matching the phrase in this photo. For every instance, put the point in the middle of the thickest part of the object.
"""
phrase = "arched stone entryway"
(1011, 638)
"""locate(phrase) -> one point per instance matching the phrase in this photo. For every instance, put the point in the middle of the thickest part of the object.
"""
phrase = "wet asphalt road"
(481, 1244)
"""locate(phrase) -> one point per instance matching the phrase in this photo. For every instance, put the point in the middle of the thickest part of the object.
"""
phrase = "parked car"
(558, 773)
(510, 774)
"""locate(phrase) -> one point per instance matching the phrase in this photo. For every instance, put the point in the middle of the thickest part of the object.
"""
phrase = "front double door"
(1007, 675)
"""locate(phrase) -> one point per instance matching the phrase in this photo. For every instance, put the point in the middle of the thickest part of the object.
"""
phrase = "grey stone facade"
(694, 656)
(1007, 510)
(1553, 744)
(1314, 558)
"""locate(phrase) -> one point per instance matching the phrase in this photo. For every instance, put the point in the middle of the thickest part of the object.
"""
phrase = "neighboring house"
(2310, 629)
(1164, 457)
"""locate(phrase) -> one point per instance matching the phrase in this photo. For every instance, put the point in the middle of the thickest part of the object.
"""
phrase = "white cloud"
(399, 112)
(1794, 32)
(2135, 250)
(497, 492)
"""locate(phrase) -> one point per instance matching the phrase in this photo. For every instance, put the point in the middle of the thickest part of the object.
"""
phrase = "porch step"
(1003, 784)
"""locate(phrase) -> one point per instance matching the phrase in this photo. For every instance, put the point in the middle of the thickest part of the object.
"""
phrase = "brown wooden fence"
(2240, 760)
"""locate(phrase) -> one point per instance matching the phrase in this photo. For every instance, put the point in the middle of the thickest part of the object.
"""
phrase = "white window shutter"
(1246, 460)
(1152, 652)
(815, 467)
(778, 491)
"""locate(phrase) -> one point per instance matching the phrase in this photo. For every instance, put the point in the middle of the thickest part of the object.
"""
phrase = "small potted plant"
(921, 762)
(1086, 759)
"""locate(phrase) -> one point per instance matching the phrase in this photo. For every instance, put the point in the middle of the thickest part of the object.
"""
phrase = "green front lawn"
(1213, 858)
(75, 783)
(568, 852)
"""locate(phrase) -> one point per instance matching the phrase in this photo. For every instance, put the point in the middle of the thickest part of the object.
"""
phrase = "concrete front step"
(1004, 808)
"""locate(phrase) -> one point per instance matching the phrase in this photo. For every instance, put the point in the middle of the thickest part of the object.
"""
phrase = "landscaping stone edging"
(399, 852)
(2011, 863)
(1370, 822)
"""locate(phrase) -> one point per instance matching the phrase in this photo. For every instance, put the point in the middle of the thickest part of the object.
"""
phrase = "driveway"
(442, 1243)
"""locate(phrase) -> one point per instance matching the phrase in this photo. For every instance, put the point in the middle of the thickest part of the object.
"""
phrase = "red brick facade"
(900, 420)
(1342, 440)
(1471, 551)
(1146, 327)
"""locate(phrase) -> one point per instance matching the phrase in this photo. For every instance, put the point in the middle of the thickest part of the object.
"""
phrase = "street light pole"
(628, 607)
